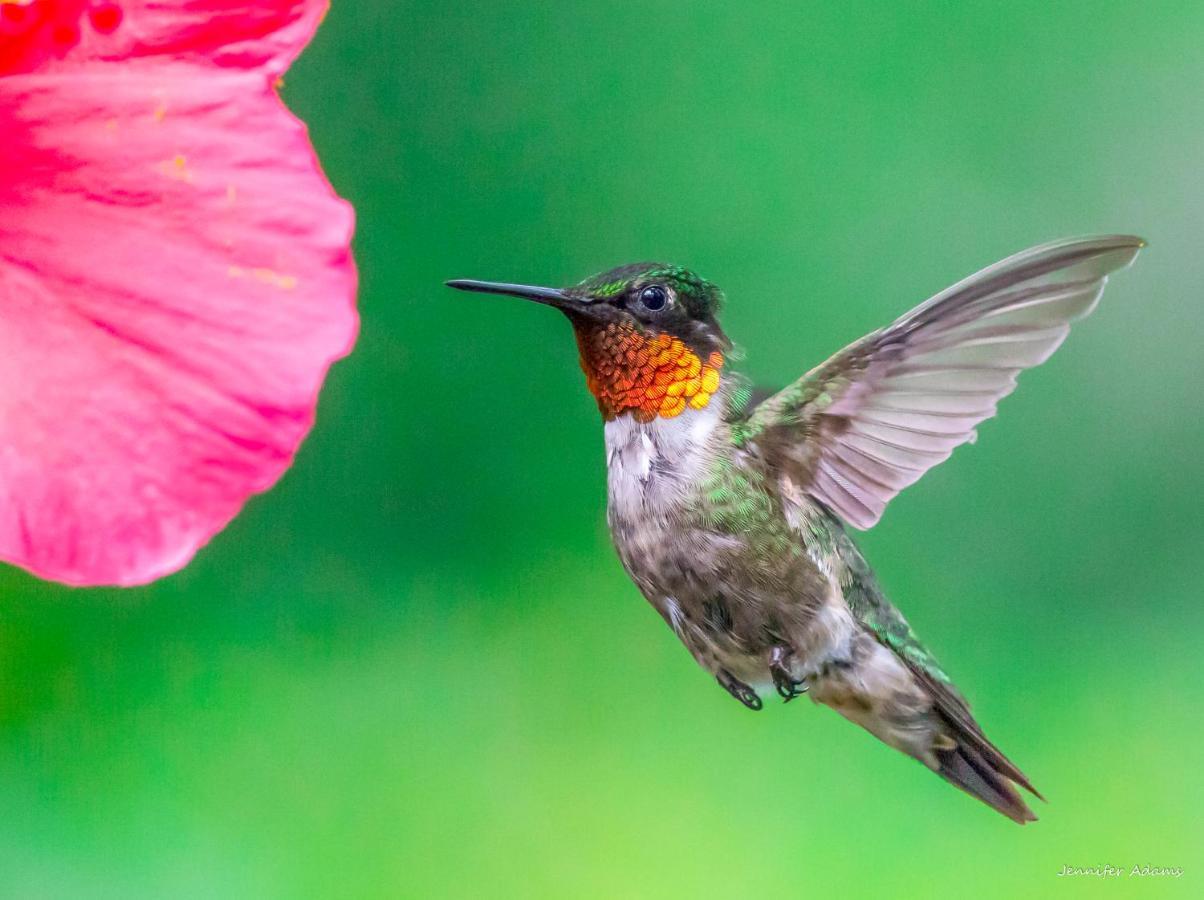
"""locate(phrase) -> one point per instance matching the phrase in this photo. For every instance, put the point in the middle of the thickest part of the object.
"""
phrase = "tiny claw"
(783, 681)
(749, 698)
(738, 689)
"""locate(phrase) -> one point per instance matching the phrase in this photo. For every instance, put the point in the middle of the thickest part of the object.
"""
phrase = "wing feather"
(872, 419)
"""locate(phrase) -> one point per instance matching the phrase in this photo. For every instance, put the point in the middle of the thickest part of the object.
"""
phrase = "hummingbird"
(731, 513)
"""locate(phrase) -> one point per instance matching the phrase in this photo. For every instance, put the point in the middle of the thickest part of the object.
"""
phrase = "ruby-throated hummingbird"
(730, 516)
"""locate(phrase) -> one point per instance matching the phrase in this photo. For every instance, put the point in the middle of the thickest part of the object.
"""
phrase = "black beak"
(550, 296)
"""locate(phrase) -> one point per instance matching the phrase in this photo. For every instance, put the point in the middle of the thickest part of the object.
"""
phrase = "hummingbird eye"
(654, 297)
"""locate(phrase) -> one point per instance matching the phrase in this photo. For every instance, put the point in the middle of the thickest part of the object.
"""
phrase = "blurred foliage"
(415, 669)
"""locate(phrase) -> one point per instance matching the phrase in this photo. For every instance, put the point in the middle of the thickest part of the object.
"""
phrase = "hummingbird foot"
(738, 689)
(783, 680)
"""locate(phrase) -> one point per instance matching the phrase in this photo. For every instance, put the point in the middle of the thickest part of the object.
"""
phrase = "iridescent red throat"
(648, 376)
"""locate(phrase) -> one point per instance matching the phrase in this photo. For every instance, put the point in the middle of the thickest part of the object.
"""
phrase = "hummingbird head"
(648, 335)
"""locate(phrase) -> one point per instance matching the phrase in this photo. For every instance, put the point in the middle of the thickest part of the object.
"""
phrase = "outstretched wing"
(871, 420)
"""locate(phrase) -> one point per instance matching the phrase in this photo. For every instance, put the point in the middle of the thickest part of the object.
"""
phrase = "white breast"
(652, 465)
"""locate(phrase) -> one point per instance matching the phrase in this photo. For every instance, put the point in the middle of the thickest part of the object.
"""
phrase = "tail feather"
(896, 690)
(914, 710)
(973, 763)
(982, 776)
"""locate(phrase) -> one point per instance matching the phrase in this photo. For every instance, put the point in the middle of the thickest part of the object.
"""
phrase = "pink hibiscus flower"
(175, 277)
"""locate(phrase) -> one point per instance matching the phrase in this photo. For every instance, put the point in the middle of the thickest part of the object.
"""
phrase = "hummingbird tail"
(914, 709)
(981, 775)
(966, 758)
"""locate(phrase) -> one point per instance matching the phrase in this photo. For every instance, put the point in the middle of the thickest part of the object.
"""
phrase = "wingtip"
(1132, 240)
(1092, 243)
(1112, 252)
(1136, 241)
(1133, 245)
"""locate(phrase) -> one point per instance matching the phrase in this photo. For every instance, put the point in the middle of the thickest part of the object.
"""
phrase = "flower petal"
(246, 34)
(175, 279)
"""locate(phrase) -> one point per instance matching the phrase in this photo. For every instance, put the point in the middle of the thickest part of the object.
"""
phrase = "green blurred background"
(416, 669)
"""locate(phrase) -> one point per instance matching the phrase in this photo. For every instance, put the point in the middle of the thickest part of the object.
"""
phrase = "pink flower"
(175, 277)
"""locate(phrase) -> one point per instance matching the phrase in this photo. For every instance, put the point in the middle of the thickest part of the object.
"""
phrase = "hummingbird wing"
(871, 420)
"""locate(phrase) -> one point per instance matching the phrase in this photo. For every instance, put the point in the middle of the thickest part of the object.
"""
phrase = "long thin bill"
(553, 296)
